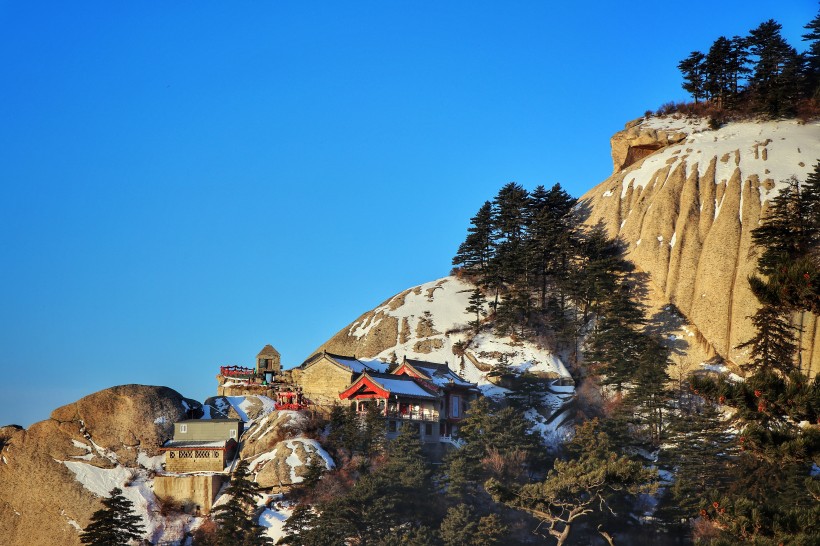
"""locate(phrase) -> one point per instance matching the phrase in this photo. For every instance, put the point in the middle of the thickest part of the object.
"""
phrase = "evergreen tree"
(718, 73)
(774, 346)
(475, 306)
(700, 451)
(775, 68)
(371, 432)
(459, 527)
(505, 432)
(737, 66)
(462, 527)
(510, 221)
(384, 498)
(585, 486)
(237, 526)
(693, 70)
(789, 236)
(813, 56)
(550, 238)
(649, 395)
(615, 347)
(115, 524)
(420, 535)
(476, 252)
(345, 433)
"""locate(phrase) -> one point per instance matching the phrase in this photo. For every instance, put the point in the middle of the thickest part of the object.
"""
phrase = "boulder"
(286, 464)
(41, 500)
(271, 430)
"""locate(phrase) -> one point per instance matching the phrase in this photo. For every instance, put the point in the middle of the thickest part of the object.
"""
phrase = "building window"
(232, 433)
(183, 429)
(428, 429)
(455, 408)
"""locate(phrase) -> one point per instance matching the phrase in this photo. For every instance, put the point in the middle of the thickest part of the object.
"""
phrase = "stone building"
(202, 445)
(324, 375)
(427, 396)
(268, 363)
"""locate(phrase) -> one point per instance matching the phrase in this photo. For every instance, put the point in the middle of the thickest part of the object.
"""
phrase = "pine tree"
(737, 66)
(615, 346)
(476, 252)
(510, 220)
(235, 518)
(114, 525)
(700, 451)
(384, 498)
(775, 69)
(463, 527)
(371, 431)
(550, 237)
(813, 56)
(459, 526)
(420, 535)
(718, 75)
(649, 395)
(774, 346)
(693, 70)
(584, 486)
(475, 306)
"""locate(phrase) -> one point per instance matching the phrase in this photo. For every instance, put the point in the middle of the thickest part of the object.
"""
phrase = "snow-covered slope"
(425, 322)
(686, 210)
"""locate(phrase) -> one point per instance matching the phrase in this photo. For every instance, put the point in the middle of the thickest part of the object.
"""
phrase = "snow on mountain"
(772, 151)
(426, 321)
(685, 199)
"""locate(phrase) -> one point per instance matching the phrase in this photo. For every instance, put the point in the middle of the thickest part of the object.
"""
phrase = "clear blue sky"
(184, 182)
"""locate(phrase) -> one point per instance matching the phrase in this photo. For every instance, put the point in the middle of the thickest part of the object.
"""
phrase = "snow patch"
(743, 145)
(154, 463)
(274, 519)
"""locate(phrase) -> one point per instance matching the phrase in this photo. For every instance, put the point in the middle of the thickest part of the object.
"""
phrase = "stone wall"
(177, 460)
(323, 380)
(189, 491)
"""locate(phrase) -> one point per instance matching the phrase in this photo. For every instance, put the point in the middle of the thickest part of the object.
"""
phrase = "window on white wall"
(183, 429)
(232, 433)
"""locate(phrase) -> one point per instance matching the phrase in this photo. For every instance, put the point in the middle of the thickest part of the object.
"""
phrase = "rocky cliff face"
(686, 198)
(53, 474)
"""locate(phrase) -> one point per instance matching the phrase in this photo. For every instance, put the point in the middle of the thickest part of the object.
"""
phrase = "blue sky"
(185, 182)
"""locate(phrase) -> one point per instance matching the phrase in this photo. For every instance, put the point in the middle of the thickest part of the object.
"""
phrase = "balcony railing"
(420, 415)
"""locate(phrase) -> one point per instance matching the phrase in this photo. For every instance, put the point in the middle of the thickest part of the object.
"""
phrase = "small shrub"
(808, 109)
(205, 534)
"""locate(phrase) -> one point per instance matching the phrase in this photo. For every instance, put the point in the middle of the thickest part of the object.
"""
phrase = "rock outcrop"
(638, 141)
(42, 500)
(287, 463)
(686, 209)
(272, 429)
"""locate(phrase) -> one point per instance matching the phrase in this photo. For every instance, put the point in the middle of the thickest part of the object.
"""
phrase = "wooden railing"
(236, 371)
